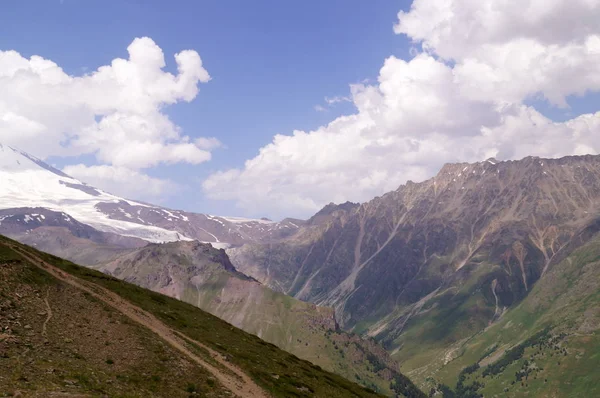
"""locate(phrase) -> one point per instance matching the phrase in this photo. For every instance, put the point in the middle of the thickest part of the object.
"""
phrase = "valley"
(300, 199)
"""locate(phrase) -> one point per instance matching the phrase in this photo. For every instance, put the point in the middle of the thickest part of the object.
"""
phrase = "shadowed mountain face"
(462, 246)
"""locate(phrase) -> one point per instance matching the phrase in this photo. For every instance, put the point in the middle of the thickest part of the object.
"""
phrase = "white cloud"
(208, 143)
(123, 182)
(337, 99)
(460, 100)
(455, 29)
(511, 50)
(114, 112)
(330, 102)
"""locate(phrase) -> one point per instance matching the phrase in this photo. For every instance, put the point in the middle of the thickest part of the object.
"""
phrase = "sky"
(271, 108)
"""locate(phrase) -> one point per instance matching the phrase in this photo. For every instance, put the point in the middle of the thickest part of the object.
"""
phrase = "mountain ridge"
(390, 259)
(26, 181)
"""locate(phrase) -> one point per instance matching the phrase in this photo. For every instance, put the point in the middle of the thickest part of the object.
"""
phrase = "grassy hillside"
(77, 344)
(72, 337)
(201, 275)
(548, 345)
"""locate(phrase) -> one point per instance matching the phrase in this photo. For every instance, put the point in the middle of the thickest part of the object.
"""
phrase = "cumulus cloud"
(123, 182)
(461, 99)
(114, 113)
(511, 50)
(456, 29)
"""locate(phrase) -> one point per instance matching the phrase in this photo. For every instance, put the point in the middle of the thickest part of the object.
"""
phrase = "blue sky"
(271, 63)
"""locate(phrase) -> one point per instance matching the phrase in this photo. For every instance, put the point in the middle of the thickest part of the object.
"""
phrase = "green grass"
(564, 304)
(279, 373)
(564, 367)
(447, 319)
(72, 354)
(260, 359)
(8, 255)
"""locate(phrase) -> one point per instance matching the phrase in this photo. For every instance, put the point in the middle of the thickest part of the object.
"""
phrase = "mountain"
(114, 241)
(203, 276)
(433, 264)
(70, 331)
(475, 280)
(28, 182)
(547, 345)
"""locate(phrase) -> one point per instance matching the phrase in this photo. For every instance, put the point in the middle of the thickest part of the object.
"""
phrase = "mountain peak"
(331, 210)
(28, 182)
(15, 159)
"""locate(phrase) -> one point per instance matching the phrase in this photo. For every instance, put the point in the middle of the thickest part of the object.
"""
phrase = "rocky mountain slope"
(436, 262)
(28, 182)
(67, 330)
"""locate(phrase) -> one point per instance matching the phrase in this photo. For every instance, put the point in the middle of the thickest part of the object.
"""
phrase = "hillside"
(434, 263)
(68, 329)
(203, 276)
(453, 276)
(548, 345)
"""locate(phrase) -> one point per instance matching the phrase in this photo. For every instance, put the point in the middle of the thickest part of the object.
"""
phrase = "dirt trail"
(239, 383)
(49, 314)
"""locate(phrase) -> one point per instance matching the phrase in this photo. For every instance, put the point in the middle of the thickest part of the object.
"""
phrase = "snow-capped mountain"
(28, 183)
